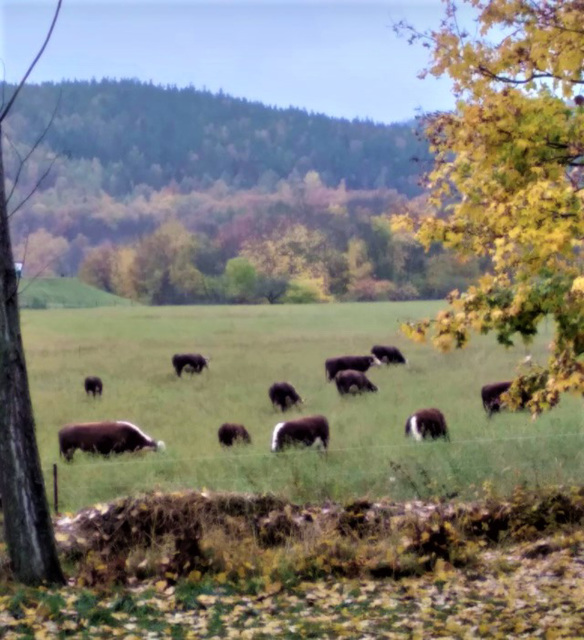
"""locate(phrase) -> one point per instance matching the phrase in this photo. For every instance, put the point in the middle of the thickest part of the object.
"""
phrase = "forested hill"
(146, 134)
(176, 196)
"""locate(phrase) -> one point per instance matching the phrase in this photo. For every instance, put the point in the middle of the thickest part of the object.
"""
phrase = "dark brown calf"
(93, 385)
(350, 381)
(193, 362)
(230, 434)
(491, 397)
(284, 395)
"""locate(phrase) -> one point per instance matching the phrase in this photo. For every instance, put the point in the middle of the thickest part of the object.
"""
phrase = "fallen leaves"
(529, 599)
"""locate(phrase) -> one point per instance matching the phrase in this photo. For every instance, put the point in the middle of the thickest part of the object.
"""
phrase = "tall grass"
(252, 347)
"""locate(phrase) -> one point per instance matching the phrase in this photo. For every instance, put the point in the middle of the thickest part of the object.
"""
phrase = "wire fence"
(405, 469)
(375, 447)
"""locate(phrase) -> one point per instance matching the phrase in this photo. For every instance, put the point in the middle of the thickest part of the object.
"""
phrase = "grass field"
(251, 347)
(68, 293)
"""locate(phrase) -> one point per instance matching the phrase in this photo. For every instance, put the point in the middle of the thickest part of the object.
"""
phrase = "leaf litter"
(522, 578)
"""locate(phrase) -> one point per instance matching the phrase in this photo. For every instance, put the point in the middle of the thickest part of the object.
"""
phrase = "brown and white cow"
(193, 362)
(304, 431)
(388, 354)
(427, 423)
(284, 395)
(350, 381)
(104, 438)
(491, 397)
(230, 433)
(93, 385)
(356, 363)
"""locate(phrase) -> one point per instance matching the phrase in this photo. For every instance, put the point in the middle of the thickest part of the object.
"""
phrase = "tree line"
(138, 133)
(132, 163)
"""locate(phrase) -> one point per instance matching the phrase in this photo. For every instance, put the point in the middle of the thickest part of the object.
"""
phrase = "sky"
(338, 57)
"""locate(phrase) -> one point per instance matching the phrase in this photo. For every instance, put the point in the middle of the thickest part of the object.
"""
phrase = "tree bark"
(27, 521)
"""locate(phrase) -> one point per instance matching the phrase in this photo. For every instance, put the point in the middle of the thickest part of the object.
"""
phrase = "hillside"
(150, 192)
(50, 293)
(137, 133)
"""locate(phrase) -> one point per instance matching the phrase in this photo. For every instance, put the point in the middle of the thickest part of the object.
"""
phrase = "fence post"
(55, 489)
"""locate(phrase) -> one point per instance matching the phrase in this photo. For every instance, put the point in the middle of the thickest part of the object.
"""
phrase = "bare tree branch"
(32, 65)
(33, 190)
(32, 149)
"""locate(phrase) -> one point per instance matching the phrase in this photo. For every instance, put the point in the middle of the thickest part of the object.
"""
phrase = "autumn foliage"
(508, 169)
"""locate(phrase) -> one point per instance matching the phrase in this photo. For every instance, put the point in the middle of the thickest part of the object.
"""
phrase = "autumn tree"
(241, 279)
(508, 169)
(98, 268)
(163, 269)
(27, 521)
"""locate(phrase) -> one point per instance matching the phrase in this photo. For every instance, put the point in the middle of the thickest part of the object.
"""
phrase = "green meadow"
(64, 293)
(130, 348)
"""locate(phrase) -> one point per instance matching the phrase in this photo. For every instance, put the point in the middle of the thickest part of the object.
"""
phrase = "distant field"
(68, 293)
(251, 347)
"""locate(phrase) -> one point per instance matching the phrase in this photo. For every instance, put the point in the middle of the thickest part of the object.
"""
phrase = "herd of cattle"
(348, 372)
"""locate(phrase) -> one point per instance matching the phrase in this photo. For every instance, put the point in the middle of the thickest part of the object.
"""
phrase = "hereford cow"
(104, 438)
(427, 423)
(388, 355)
(284, 395)
(301, 431)
(356, 363)
(350, 381)
(193, 362)
(491, 397)
(230, 434)
(93, 385)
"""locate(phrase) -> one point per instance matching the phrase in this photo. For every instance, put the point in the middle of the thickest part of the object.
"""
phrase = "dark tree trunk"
(27, 521)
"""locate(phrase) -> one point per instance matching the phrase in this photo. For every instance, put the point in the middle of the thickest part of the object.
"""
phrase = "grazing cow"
(194, 362)
(93, 385)
(230, 434)
(491, 397)
(356, 363)
(427, 423)
(350, 381)
(104, 438)
(284, 395)
(388, 355)
(301, 431)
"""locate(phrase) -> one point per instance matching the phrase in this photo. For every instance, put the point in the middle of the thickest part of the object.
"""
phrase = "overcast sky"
(337, 57)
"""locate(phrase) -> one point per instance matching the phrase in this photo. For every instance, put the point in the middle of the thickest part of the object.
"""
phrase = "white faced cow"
(388, 355)
(305, 431)
(427, 423)
(104, 438)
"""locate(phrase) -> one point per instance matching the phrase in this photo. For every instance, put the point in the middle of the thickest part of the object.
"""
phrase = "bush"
(371, 290)
(305, 291)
